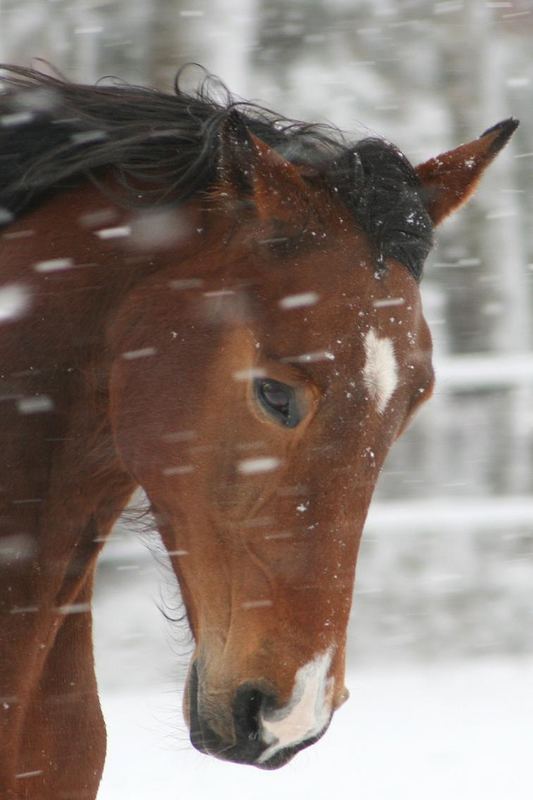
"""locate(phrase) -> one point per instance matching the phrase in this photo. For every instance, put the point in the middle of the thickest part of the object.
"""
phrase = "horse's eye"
(279, 400)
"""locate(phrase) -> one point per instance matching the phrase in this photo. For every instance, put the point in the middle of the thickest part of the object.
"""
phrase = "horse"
(220, 305)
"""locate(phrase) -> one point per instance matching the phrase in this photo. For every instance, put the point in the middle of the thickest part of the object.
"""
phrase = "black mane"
(164, 148)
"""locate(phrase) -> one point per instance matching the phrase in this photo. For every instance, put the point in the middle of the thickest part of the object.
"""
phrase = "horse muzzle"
(260, 733)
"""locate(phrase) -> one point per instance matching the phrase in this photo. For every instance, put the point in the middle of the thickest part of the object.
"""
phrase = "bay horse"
(221, 306)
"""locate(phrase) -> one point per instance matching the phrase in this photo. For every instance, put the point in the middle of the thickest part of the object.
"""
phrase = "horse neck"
(74, 266)
(55, 436)
(61, 484)
(74, 262)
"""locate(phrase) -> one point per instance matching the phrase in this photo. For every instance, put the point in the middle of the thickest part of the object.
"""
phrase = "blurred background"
(445, 574)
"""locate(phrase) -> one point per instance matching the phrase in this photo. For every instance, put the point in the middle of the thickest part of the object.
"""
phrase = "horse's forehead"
(342, 312)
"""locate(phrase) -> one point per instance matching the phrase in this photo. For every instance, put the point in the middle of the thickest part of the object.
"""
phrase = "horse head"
(261, 371)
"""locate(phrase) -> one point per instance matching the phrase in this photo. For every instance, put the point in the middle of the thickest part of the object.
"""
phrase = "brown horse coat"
(246, 355)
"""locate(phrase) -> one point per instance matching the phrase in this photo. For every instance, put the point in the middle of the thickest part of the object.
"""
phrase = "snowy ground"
(461, 731)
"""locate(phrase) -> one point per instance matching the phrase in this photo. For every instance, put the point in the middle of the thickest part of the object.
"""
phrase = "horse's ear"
(249, 168)
(451, 178)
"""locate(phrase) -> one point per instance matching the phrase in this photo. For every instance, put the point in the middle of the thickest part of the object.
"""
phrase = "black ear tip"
(502, 132)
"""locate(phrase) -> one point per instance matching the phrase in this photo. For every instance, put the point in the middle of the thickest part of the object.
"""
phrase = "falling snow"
(15, 301)
(35, 405)
(53, 265)
(252, 466)
(299, 300)
(119, 232)
(445, 567)
(143, 352)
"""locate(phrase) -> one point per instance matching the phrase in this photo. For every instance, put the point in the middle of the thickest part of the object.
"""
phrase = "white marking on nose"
(307, 713)
(380, 372)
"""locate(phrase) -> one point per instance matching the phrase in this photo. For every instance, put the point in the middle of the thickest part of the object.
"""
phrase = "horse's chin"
(237, 755)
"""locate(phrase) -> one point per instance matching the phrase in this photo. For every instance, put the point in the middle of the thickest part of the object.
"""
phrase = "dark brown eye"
(278, 400)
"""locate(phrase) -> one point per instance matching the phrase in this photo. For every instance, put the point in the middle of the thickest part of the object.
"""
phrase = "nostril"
(252, 714)
(248, 704)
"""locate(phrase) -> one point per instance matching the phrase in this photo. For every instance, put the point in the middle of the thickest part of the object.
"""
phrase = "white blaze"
(307, 713)
(380, 372)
